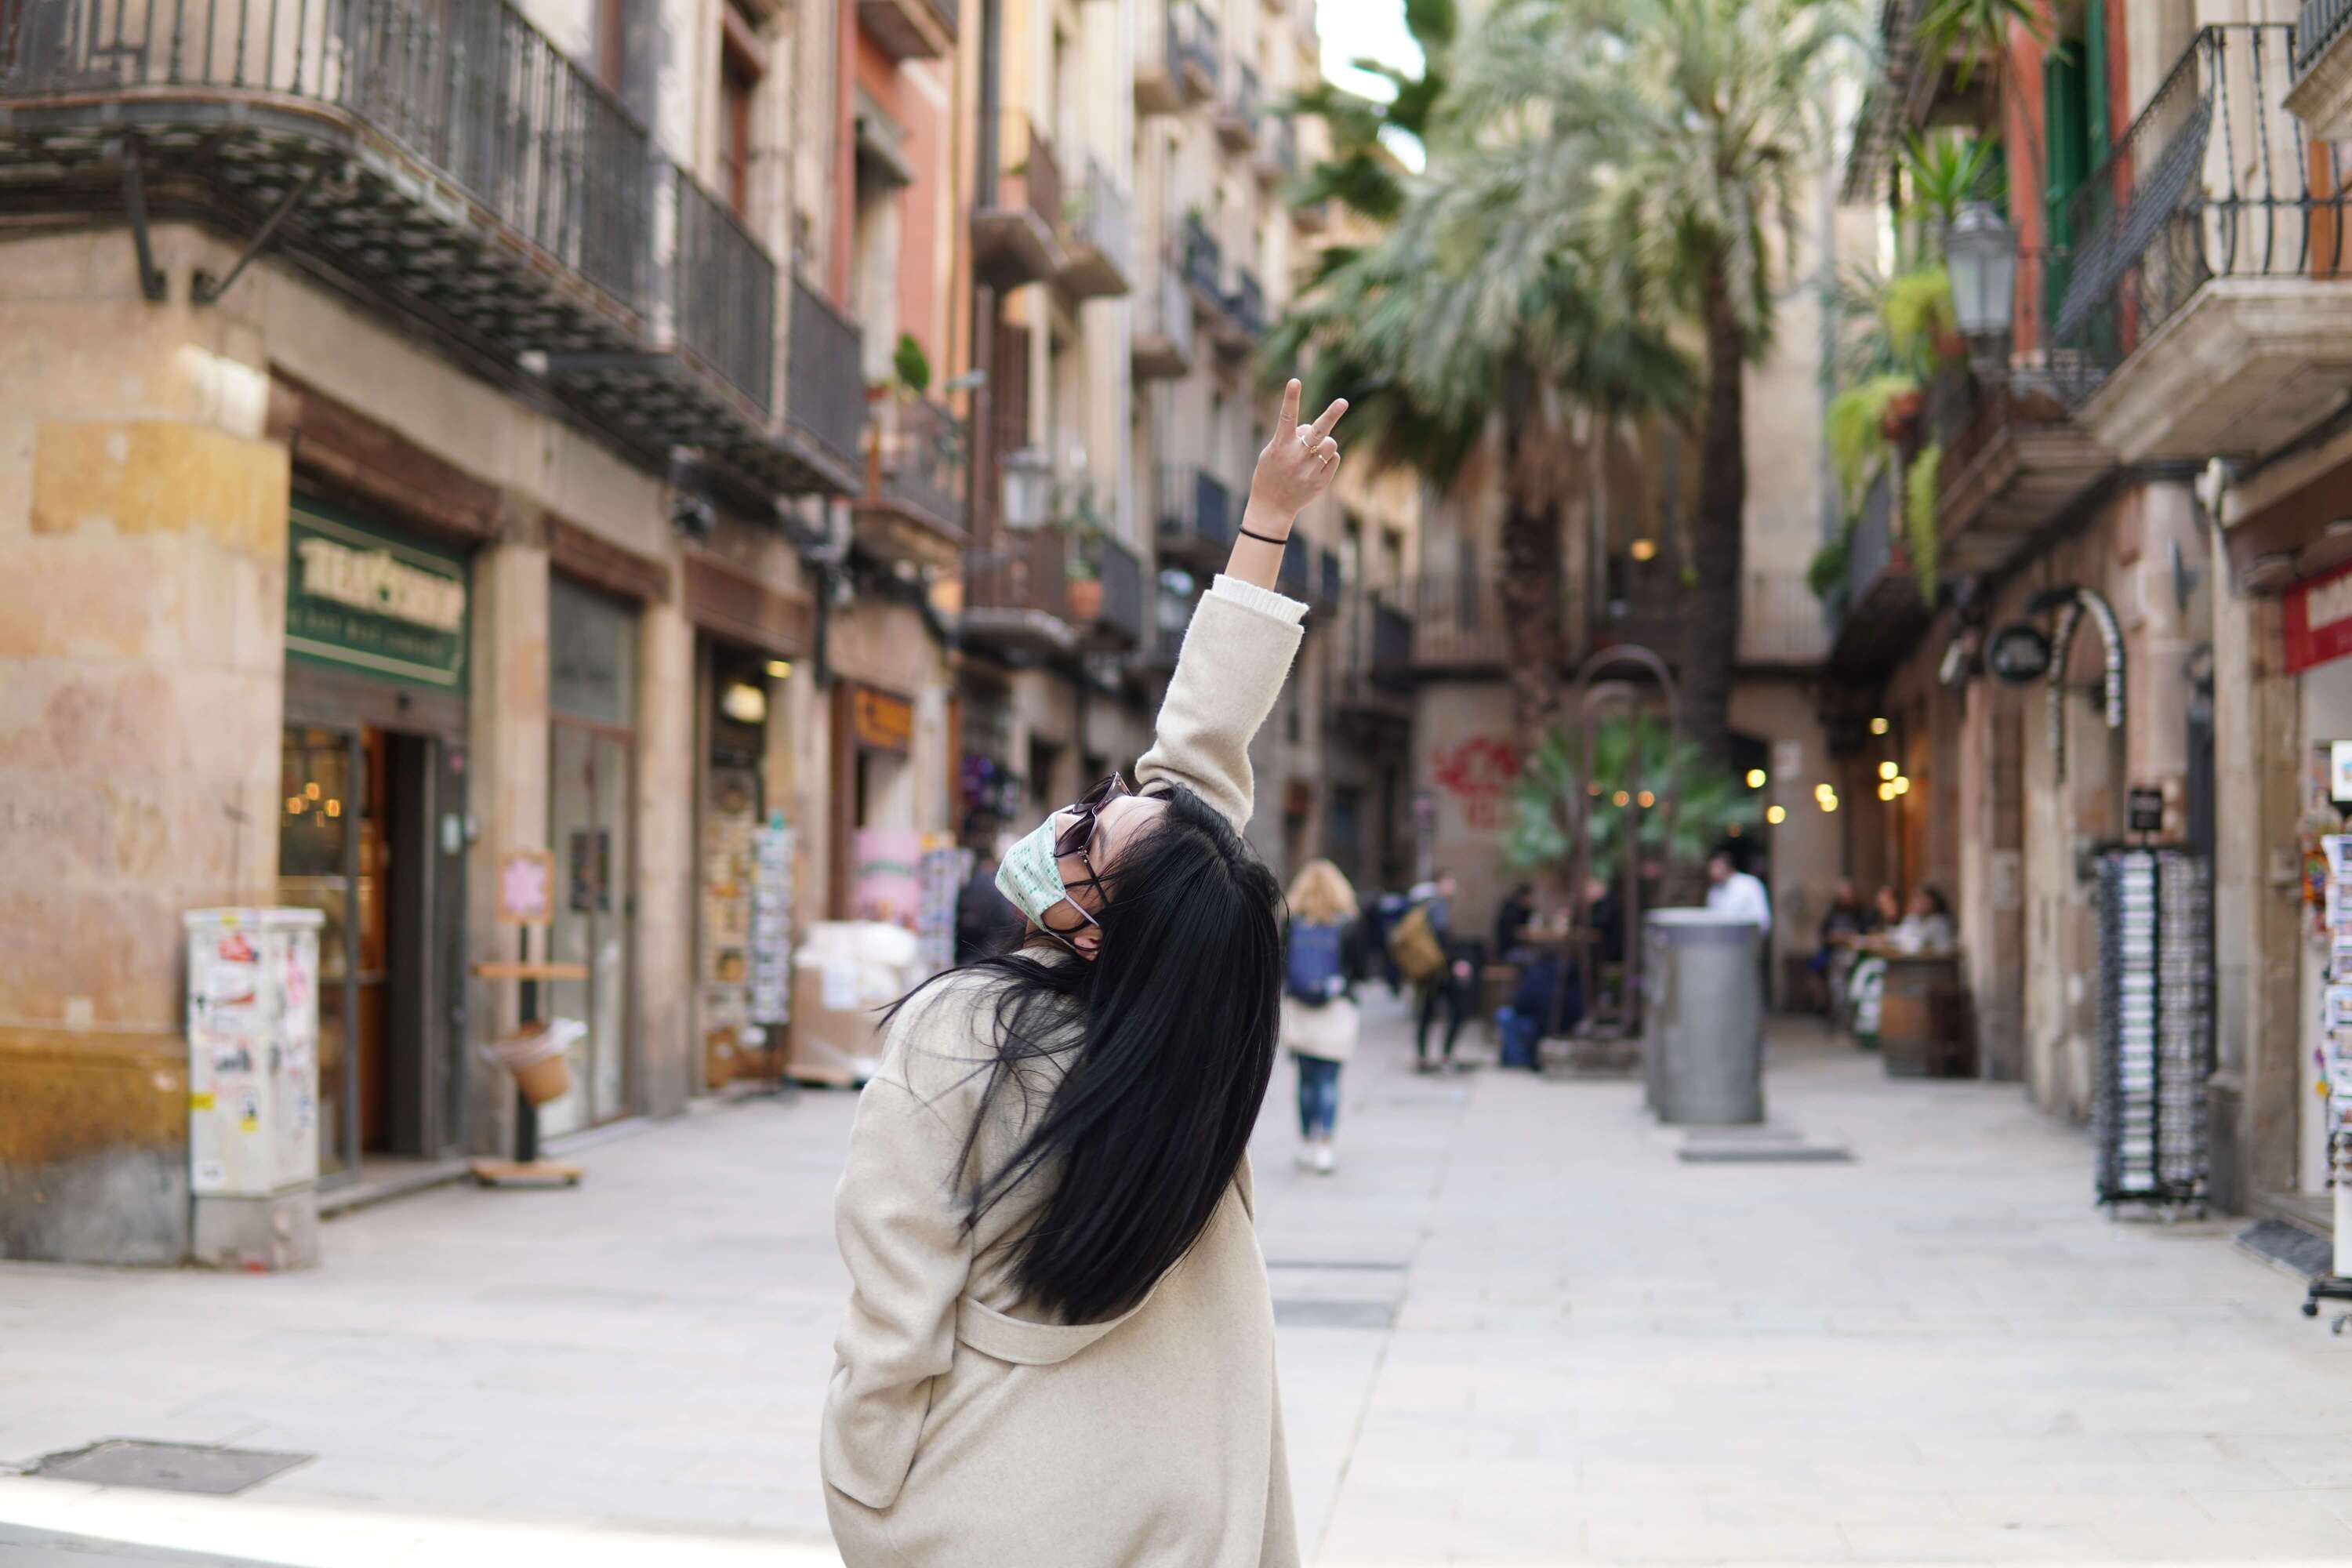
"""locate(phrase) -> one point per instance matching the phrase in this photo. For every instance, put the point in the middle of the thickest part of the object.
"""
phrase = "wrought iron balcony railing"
(1194, 43)
(1097, 237)
(920, 462)
(1017, 225)
(469, 87)
(1203, 261)
(1196, 513)
(1122, 619)
(2214, 180)
(1163, 340)
(825, 404)
(446, 152)
(2320, 23)
(725, 293)
(1247, 304)
(1298, 573)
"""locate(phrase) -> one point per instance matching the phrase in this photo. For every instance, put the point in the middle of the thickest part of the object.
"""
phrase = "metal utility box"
(253, 1085)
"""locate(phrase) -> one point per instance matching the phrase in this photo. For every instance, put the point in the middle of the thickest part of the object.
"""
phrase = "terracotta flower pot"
(1086, 599)
(1902, 417)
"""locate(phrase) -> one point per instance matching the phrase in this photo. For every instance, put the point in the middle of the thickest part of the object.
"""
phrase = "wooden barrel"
(1923, 1019)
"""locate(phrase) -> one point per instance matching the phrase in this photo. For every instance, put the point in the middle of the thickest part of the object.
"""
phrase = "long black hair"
(1165, 1042)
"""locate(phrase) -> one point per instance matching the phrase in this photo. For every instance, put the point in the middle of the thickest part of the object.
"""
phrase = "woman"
(1321, 951)
(1060, 1344)
(1926, 926)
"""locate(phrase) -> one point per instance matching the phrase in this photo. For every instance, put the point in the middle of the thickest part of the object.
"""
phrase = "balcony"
(1161, 346)
(1372, 673)
(1114, 620)
(1646, 607)
(1878, 615)
(2013, 458)
(1459, 625)
(1781, 627)
(1296, 578)
(825, 401)
(2322, 94)
(484, 186)
(1324, 593)
(1236, 119)
(1245, 321)
(1195, 525)
(1278, 149)
(911, 30)
(913, 510)
(1171, 617)
(1016, 232)
(1017, 597)
(1096, 242)
(2208, 312)
(1203, 263)
(1179, 68)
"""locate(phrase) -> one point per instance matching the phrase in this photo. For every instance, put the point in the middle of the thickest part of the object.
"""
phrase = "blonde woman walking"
(1322, 951)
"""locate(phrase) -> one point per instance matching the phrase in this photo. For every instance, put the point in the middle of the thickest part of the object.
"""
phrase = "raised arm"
(1244, 635)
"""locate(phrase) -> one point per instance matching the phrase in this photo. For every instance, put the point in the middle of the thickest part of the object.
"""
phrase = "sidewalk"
(1515, 1328)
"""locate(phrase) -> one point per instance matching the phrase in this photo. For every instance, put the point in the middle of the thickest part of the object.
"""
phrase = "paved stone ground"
(1516, 1329)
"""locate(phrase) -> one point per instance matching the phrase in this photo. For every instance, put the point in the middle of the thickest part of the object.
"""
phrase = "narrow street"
(1517, 1327)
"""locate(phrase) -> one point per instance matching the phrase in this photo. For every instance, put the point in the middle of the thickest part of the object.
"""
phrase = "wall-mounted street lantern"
(1981, 253)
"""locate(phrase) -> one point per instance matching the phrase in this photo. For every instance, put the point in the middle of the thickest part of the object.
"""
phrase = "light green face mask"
(1030, 875)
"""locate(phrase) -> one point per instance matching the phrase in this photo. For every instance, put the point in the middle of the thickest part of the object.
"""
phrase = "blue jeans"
(1318, 1096)
(1519, 1033)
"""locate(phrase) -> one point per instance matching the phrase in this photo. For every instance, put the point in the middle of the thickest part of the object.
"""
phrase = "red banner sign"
(2319, 620)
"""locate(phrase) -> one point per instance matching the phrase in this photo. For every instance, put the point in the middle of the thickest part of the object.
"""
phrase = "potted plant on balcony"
(1075, 513)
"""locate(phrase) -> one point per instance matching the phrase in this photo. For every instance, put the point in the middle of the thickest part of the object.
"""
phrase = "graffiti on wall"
(1477, 776)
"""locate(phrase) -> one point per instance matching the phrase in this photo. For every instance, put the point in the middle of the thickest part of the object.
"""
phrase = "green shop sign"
(370, 600)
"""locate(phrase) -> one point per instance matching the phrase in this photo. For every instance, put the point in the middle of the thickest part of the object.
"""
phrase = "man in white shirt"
(1734, 892)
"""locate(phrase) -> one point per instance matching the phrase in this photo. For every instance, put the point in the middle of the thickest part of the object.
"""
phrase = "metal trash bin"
(1703, 1041)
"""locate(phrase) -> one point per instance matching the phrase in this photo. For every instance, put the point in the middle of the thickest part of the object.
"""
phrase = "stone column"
(141, 689)
(2260, 1078)
(506, 725)
(665, 857)
(1992, 873)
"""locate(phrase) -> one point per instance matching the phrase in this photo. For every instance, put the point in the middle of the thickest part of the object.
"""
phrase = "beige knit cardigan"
(961, 1430)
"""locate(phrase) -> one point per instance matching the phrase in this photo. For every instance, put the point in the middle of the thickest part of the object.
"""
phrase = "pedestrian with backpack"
(1443, 971)
(1322, 950)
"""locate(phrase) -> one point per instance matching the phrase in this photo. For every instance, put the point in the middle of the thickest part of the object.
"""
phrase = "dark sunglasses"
(1077, 840)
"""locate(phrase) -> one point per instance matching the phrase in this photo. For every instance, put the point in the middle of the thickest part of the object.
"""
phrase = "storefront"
(878, 844)
(372, 825)
(743, 873)
(592, 812)
(2317, 616)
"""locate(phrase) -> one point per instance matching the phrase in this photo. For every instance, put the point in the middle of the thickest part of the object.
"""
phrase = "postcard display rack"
(2335, 1073)
(2156, 1027)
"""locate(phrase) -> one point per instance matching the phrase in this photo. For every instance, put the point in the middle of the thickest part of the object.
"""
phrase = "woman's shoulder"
(940, 1041)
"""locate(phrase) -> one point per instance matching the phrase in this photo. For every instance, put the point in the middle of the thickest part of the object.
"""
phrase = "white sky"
(1352, 30)
(1355, 29)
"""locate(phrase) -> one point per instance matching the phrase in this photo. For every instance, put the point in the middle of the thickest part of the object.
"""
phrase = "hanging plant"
(1923, 328)
(1825, 574)
(1919, 535)
(1855, 424)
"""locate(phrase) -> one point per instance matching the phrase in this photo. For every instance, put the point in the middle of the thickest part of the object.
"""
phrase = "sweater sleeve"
(898, 1217)
(1236, 654)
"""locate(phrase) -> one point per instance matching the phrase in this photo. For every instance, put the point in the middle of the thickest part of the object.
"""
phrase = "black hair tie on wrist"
(1261, 538)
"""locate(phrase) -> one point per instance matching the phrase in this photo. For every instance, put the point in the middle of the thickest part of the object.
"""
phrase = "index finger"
(1287, 422)
(1331, 416)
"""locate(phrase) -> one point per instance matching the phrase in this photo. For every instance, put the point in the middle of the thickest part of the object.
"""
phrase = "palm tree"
(1480, 321)
(1694, 124)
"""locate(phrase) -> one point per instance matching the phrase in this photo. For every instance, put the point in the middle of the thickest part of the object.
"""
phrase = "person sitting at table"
(1927, 926)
